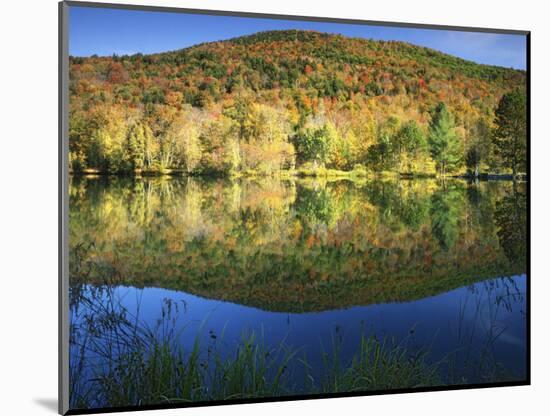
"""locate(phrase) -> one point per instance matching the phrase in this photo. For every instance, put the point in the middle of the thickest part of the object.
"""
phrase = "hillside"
(279, 100)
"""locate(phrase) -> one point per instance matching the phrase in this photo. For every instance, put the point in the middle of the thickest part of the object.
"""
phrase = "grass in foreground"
(118, 360)
(163, 372)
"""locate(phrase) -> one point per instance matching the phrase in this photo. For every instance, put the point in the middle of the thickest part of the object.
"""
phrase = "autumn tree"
(219, 144)
(340, 148)
(165, 122)
(79, 141)
(139, 135)
(264, 132)
(360, 137)
(238, 110)
(188, 146)
(109, 150)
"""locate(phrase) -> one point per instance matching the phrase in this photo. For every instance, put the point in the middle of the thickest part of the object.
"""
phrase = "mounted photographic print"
(264, 207)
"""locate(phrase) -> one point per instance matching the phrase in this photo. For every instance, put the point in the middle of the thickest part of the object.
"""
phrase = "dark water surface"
(434, 266)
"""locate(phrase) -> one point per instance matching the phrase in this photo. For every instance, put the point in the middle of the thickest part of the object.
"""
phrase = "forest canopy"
(298, 101)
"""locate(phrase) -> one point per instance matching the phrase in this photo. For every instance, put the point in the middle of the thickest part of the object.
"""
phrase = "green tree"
(510, 133)
(388, 133)
(473, 159)
(479, 148)
(379, 154)
(316, 206)
(313, 145)
(408, 141)
(444, 144)
(383, 155)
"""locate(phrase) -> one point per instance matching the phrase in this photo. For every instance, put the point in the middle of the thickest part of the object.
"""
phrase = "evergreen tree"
(444, 144)
(510, 134)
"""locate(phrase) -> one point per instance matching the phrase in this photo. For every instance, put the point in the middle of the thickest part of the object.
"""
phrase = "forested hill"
(260, 92)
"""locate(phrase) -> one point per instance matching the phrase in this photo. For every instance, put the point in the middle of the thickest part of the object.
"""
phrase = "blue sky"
(107, 31)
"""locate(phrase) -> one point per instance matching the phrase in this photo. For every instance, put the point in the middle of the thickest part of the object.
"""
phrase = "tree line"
(314, 101)
(245, 136)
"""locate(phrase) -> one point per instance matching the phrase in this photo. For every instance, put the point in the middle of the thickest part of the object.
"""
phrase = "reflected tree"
(316, 206)
(399, 206)
(447, 205)
(290, 245)
(511, 220)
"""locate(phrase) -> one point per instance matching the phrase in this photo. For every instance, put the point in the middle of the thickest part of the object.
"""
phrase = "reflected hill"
(295, 245)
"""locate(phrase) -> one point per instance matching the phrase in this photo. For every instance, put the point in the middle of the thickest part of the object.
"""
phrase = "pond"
(320, 276)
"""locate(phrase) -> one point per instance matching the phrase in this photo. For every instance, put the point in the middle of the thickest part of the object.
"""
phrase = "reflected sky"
(484, 319)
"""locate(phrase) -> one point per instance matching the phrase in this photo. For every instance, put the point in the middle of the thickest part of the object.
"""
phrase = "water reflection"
(300, 245)
(302, 260)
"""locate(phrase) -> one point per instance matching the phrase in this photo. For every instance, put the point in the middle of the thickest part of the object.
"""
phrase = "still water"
(435, 267)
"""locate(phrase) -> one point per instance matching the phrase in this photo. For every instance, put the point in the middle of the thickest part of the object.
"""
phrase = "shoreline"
(321, 173)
